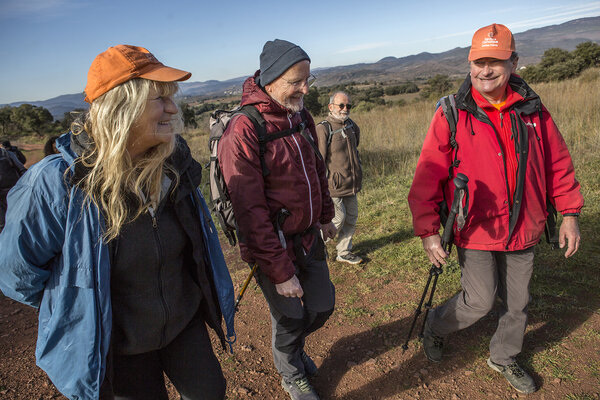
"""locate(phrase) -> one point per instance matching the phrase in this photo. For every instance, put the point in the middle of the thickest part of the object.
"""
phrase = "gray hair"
(332, 97)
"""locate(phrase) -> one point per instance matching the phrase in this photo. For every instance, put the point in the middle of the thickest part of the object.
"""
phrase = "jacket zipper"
(305, 175)
(352, 166)
(160, 267)
(487, 121)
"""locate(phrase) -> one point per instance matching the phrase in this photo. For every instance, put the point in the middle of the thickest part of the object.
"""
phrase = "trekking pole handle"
(460, 184)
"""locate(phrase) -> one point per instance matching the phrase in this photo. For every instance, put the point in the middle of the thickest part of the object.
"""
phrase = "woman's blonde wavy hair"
(112, 176)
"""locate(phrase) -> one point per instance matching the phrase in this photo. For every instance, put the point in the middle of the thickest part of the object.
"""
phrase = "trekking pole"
(460, 183)
(281, 216)
(245, 286)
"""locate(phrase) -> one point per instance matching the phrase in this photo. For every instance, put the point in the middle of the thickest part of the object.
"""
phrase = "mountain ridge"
(531, 45)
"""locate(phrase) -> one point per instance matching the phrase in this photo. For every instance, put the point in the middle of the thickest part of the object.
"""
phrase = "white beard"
(339, 116)
(294, 107)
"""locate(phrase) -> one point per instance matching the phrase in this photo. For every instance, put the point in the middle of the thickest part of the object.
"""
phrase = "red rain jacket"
(544, 170)
(296, 182)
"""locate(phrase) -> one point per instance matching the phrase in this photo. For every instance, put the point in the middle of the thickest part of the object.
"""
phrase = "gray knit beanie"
(277, 56)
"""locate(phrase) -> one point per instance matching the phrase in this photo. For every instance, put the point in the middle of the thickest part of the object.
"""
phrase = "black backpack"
(448, 104)
(219, 196)
(10, 172)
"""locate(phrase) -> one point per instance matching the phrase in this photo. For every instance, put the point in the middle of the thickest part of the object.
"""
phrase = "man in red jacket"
(290, 253)
(515, 159)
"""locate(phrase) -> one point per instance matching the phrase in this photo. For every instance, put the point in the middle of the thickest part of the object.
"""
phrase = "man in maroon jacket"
(515, 159)
(280, 214)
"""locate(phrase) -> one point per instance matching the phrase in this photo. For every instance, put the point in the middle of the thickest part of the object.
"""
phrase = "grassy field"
(564, 292)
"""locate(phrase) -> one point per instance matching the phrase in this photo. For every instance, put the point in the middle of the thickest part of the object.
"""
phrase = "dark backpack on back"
(219, 196)
(9, 171)
(448, 104)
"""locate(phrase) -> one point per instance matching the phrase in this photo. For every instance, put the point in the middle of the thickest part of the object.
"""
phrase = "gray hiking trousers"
(346, 214)
(486, 275)
(293, 319)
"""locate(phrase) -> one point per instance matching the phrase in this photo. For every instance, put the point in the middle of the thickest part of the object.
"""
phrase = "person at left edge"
(113, 242)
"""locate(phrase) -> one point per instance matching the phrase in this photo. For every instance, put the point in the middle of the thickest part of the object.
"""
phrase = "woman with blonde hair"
(114, 243)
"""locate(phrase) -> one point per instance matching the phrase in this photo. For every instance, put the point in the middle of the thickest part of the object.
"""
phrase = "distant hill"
(57, 106)
(531, 45)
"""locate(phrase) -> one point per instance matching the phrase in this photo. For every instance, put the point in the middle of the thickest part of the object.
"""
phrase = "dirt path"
(358, 358)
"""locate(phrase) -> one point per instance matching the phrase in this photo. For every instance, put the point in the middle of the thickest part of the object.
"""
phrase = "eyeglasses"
(300, 83)
(342, 106)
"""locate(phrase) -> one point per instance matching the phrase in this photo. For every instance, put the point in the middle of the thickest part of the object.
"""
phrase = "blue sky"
(47, 46)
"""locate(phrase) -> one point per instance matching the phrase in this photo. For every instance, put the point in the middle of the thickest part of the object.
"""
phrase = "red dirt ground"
(357, 358)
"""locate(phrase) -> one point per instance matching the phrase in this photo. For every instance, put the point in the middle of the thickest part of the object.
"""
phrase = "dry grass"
(391, 137)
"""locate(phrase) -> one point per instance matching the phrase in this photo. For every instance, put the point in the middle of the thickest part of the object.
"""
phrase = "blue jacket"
(53, 258)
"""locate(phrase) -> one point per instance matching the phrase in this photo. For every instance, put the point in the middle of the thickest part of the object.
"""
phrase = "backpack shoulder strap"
(306, 136)
(259, 123)
(448, 104)
(329, 131)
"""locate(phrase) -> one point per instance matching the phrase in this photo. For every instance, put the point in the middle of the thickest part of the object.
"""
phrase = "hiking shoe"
(433, 345)
(300, 389)
(515, 375)
(349, 258)
(309, 365)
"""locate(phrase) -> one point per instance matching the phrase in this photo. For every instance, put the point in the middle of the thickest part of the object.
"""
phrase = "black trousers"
(188, 361)
(294, 319)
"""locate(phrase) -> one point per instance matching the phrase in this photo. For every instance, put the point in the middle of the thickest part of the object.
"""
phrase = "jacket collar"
(529, 104)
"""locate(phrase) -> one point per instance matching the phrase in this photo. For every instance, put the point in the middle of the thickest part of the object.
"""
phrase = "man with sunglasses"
(281, 201)
(338, 138)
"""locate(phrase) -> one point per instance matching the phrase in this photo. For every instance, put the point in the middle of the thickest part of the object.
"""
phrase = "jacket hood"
(531, 101)
(254, 94)
(73, 146)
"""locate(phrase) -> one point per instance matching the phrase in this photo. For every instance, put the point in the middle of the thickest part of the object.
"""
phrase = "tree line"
(28, 119)
(558, 64)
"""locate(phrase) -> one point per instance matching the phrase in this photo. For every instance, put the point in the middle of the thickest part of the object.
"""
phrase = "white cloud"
(559, 14)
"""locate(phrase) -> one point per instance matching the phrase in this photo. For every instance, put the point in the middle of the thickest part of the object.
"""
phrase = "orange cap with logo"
(122, 63)
(494, 41)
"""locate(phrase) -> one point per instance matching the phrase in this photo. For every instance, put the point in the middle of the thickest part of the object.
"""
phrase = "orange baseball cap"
(123, 62)
(494, 41)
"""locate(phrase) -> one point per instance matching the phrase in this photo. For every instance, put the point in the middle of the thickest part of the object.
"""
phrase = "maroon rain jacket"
(296, 182)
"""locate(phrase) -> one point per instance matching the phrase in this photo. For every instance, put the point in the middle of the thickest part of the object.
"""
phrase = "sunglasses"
(342, 106)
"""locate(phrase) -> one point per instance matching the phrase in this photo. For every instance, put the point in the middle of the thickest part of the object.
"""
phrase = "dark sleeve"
(20, 156)
(17, 163)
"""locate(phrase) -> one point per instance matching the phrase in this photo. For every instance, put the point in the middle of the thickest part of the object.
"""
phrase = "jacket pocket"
(337, 180)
